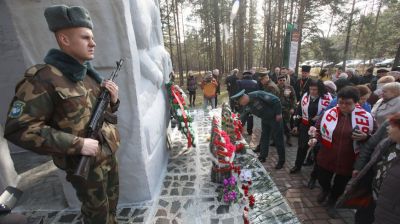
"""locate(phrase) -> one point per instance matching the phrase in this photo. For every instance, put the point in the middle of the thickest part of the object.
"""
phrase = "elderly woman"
(311, 104)
(365, 93)
(388, 104)
(338, 131)
(330, 87)
(381, 160)
(191, 87)
(377, 92)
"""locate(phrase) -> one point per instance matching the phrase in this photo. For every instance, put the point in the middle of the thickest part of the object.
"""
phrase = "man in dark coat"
(302, 84)
(231, 86)
(367, 77)
(267, 107)
(248, 84)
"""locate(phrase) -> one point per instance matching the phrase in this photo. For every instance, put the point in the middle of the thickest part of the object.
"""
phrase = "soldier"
(267, 107)
(248, 84)
(267, 85)
(53, 104)
(288, 101)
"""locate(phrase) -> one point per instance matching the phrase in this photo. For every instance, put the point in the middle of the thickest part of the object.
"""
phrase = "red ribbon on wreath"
(181, 102)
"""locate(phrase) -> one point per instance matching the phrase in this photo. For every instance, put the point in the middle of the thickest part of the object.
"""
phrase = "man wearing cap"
(367, 77)
(267, 107)
(302, 84)
(266, 84)
(52, 107)
(288, 100)
(248, 85)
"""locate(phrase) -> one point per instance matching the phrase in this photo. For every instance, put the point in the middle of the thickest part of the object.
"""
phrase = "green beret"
(238, 95)
(61, 16)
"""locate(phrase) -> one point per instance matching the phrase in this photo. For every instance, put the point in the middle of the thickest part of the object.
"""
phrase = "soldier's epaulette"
(32, 71)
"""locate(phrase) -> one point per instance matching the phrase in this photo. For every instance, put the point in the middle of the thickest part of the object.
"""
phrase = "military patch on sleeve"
(16, 109)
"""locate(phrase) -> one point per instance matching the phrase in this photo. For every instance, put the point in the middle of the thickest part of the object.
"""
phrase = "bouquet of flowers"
(234, 128)
(180, 112)
(230, 193)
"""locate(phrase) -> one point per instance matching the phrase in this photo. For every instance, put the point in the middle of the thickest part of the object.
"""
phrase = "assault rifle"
(95, 124)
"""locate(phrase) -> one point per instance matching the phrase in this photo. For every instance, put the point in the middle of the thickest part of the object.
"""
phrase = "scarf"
(359, 117)
(305, 103)
(70, 67)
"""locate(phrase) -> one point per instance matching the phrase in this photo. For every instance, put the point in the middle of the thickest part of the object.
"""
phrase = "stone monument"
(129, 29)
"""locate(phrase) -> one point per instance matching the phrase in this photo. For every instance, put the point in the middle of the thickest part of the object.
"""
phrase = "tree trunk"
(279, 38)
(169, 33)
(347, 44)
(263, 60)
(184, 42)
(242, 20)
(218, 50)
(269, 35)
(291, 11)
(396, 62)
(250, 34)
(178, 43)
(300, 21)
(373, 39)
(359, 33)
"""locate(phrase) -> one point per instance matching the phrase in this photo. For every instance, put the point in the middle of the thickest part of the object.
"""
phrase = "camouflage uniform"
(48, 115)
(288, 102)
(270, 87)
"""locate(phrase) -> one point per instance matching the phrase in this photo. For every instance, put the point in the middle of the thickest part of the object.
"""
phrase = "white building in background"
(129, 29)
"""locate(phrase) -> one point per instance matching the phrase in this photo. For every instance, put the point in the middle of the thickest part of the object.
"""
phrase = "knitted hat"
(61, 16)
(343, 75)
(330, 85)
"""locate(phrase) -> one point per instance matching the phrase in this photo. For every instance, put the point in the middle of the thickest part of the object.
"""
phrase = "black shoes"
(295, 169)
(279, 165)
(262, 160)
(322, 197)
(257, 149)
(311, 183)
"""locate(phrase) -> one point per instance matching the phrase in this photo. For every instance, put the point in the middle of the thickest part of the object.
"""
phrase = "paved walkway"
(293, 186)
(187, 195)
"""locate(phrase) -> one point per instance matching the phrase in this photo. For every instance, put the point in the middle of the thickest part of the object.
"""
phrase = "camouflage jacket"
(270, 87)
(49, 115)
(288, 100)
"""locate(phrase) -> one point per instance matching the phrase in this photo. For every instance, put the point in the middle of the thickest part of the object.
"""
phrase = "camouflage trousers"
(99, 195)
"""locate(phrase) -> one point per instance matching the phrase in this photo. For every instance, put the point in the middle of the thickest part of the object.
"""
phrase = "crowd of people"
(348, 129)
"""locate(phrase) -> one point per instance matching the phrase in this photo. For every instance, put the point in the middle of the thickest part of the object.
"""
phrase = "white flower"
(245, 175)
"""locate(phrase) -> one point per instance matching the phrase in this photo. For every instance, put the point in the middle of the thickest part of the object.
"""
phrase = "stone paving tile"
(293, 186)
(178, 204)
(187, 194)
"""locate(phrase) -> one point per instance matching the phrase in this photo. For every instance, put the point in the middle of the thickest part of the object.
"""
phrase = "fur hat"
(61, 16)
(330, 85)
(305, 68)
